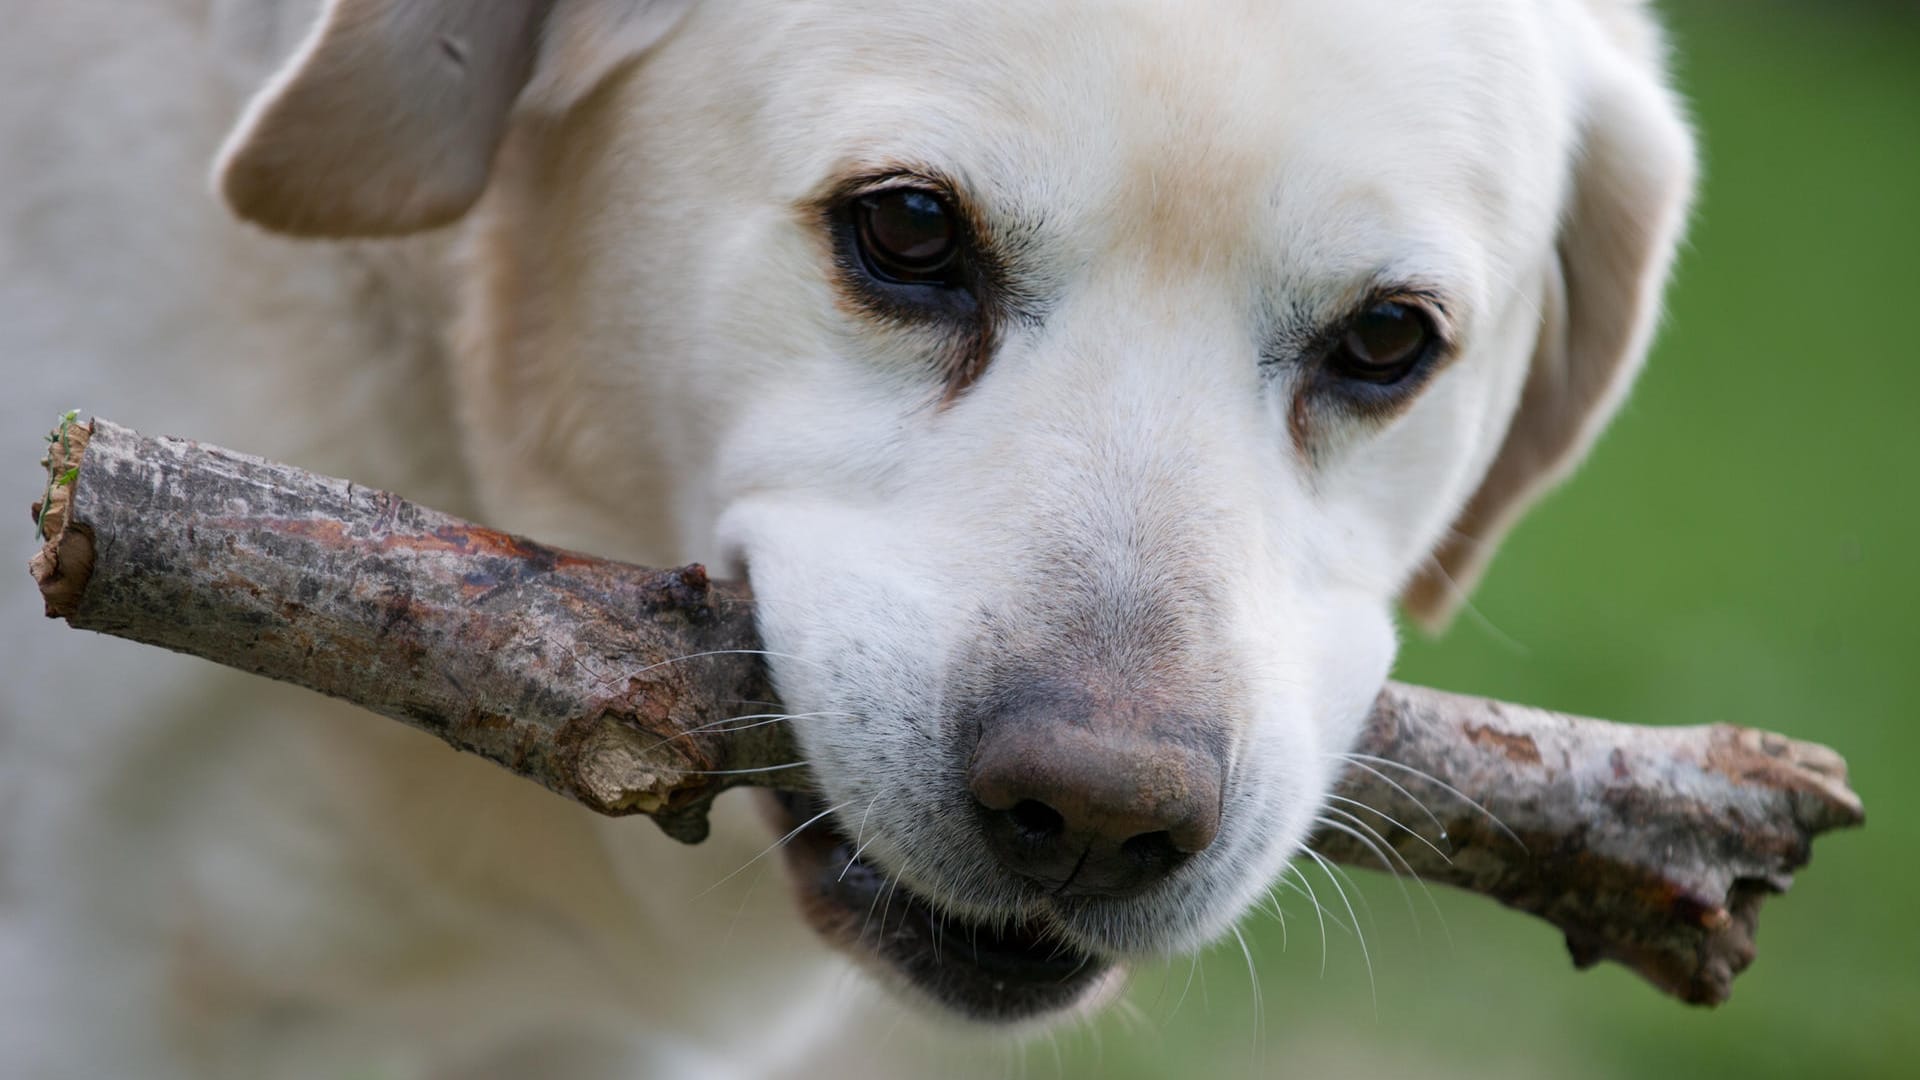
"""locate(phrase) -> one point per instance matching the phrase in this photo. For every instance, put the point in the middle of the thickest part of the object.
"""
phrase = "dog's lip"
(1003, 971)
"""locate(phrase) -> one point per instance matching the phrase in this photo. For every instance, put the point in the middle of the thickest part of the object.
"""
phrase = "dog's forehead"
(1342, 129)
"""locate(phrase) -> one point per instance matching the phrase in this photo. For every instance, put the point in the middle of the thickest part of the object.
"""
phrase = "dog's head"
(1081, 383)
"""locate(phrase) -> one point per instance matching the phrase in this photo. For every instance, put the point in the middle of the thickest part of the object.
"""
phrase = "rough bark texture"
(611, 685)
(563, 668)
(1650, 846)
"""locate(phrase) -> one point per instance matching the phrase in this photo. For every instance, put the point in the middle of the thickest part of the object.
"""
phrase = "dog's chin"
(1004, 972)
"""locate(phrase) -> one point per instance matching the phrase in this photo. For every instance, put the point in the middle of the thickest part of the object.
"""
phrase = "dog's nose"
(1093, 805)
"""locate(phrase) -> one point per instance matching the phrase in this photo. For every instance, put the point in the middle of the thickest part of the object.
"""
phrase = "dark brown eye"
(1383, 345)
(907, 236)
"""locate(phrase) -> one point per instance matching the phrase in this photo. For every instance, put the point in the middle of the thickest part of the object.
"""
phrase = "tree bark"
(620, 688)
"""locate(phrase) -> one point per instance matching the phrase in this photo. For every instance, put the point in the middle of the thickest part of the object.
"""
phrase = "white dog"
(1080, 383)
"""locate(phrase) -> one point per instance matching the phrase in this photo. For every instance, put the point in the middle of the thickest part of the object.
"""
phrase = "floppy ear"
(386, 119)
(1632, 184)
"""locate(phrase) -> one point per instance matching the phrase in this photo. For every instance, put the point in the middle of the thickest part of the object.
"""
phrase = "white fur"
(631, 345)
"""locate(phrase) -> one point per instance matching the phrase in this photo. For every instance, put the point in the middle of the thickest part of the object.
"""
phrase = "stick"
(613, 685)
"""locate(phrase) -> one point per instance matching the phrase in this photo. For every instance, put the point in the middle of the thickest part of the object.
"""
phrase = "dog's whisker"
(860, 845)
(1091, 1030)
(899, 1016)
(1438, 915)
(857, 852)
(1443, 786)
(1372, 989)
(1259, 1004)
(1165, 983)
(1389, 859)
(1319, 912)
(1439, 826)
(797, 830)
(740, 909)
(1193, 965)
(744, 772)
(1206, 999)
(765, 719)
(1279, 914)
(1085, 959)
(886, 906)
(871, 905)
(728, 652)
(1463, 597)
(1395, 822)
(1132, 1015)
(730, 724)
(1386, 863)
(1353, 825)
(1360, 896)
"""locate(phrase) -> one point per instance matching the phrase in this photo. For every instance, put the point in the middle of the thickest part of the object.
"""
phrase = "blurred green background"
(1743, 547)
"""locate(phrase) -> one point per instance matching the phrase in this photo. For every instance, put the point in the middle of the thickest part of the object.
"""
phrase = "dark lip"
(995, 973)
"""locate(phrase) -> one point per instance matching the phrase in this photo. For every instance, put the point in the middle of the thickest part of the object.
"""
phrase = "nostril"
(1154, 849)
(1036, 819)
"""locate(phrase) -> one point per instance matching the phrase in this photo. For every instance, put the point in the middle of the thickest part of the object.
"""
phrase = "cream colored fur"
(625, 341)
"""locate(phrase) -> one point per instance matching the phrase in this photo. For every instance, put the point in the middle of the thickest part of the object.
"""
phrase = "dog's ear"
(386, 119)
(1632, 183)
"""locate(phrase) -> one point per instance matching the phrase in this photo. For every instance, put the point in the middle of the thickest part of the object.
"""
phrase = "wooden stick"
(613, 685)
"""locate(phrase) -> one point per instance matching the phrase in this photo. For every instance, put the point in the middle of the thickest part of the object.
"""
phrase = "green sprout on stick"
(59, 436)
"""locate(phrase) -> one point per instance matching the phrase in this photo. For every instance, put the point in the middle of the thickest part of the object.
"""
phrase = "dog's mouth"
(996, 973)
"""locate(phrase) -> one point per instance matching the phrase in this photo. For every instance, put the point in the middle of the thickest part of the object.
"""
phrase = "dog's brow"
(1305, 313)
(852, 177)
(1423, 294)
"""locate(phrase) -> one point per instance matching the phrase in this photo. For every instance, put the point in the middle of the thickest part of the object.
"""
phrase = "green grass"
(1741, 548)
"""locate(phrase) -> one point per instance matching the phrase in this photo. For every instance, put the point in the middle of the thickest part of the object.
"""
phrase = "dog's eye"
(1383, 345)
(907, 236)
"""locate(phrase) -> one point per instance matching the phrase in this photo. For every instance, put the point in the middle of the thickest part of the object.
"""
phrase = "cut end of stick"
(64, 562)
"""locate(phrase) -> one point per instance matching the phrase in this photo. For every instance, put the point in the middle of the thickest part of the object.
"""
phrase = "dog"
(1079, 384)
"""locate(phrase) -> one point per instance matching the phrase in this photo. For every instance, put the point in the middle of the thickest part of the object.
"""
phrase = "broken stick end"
(64, 562)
